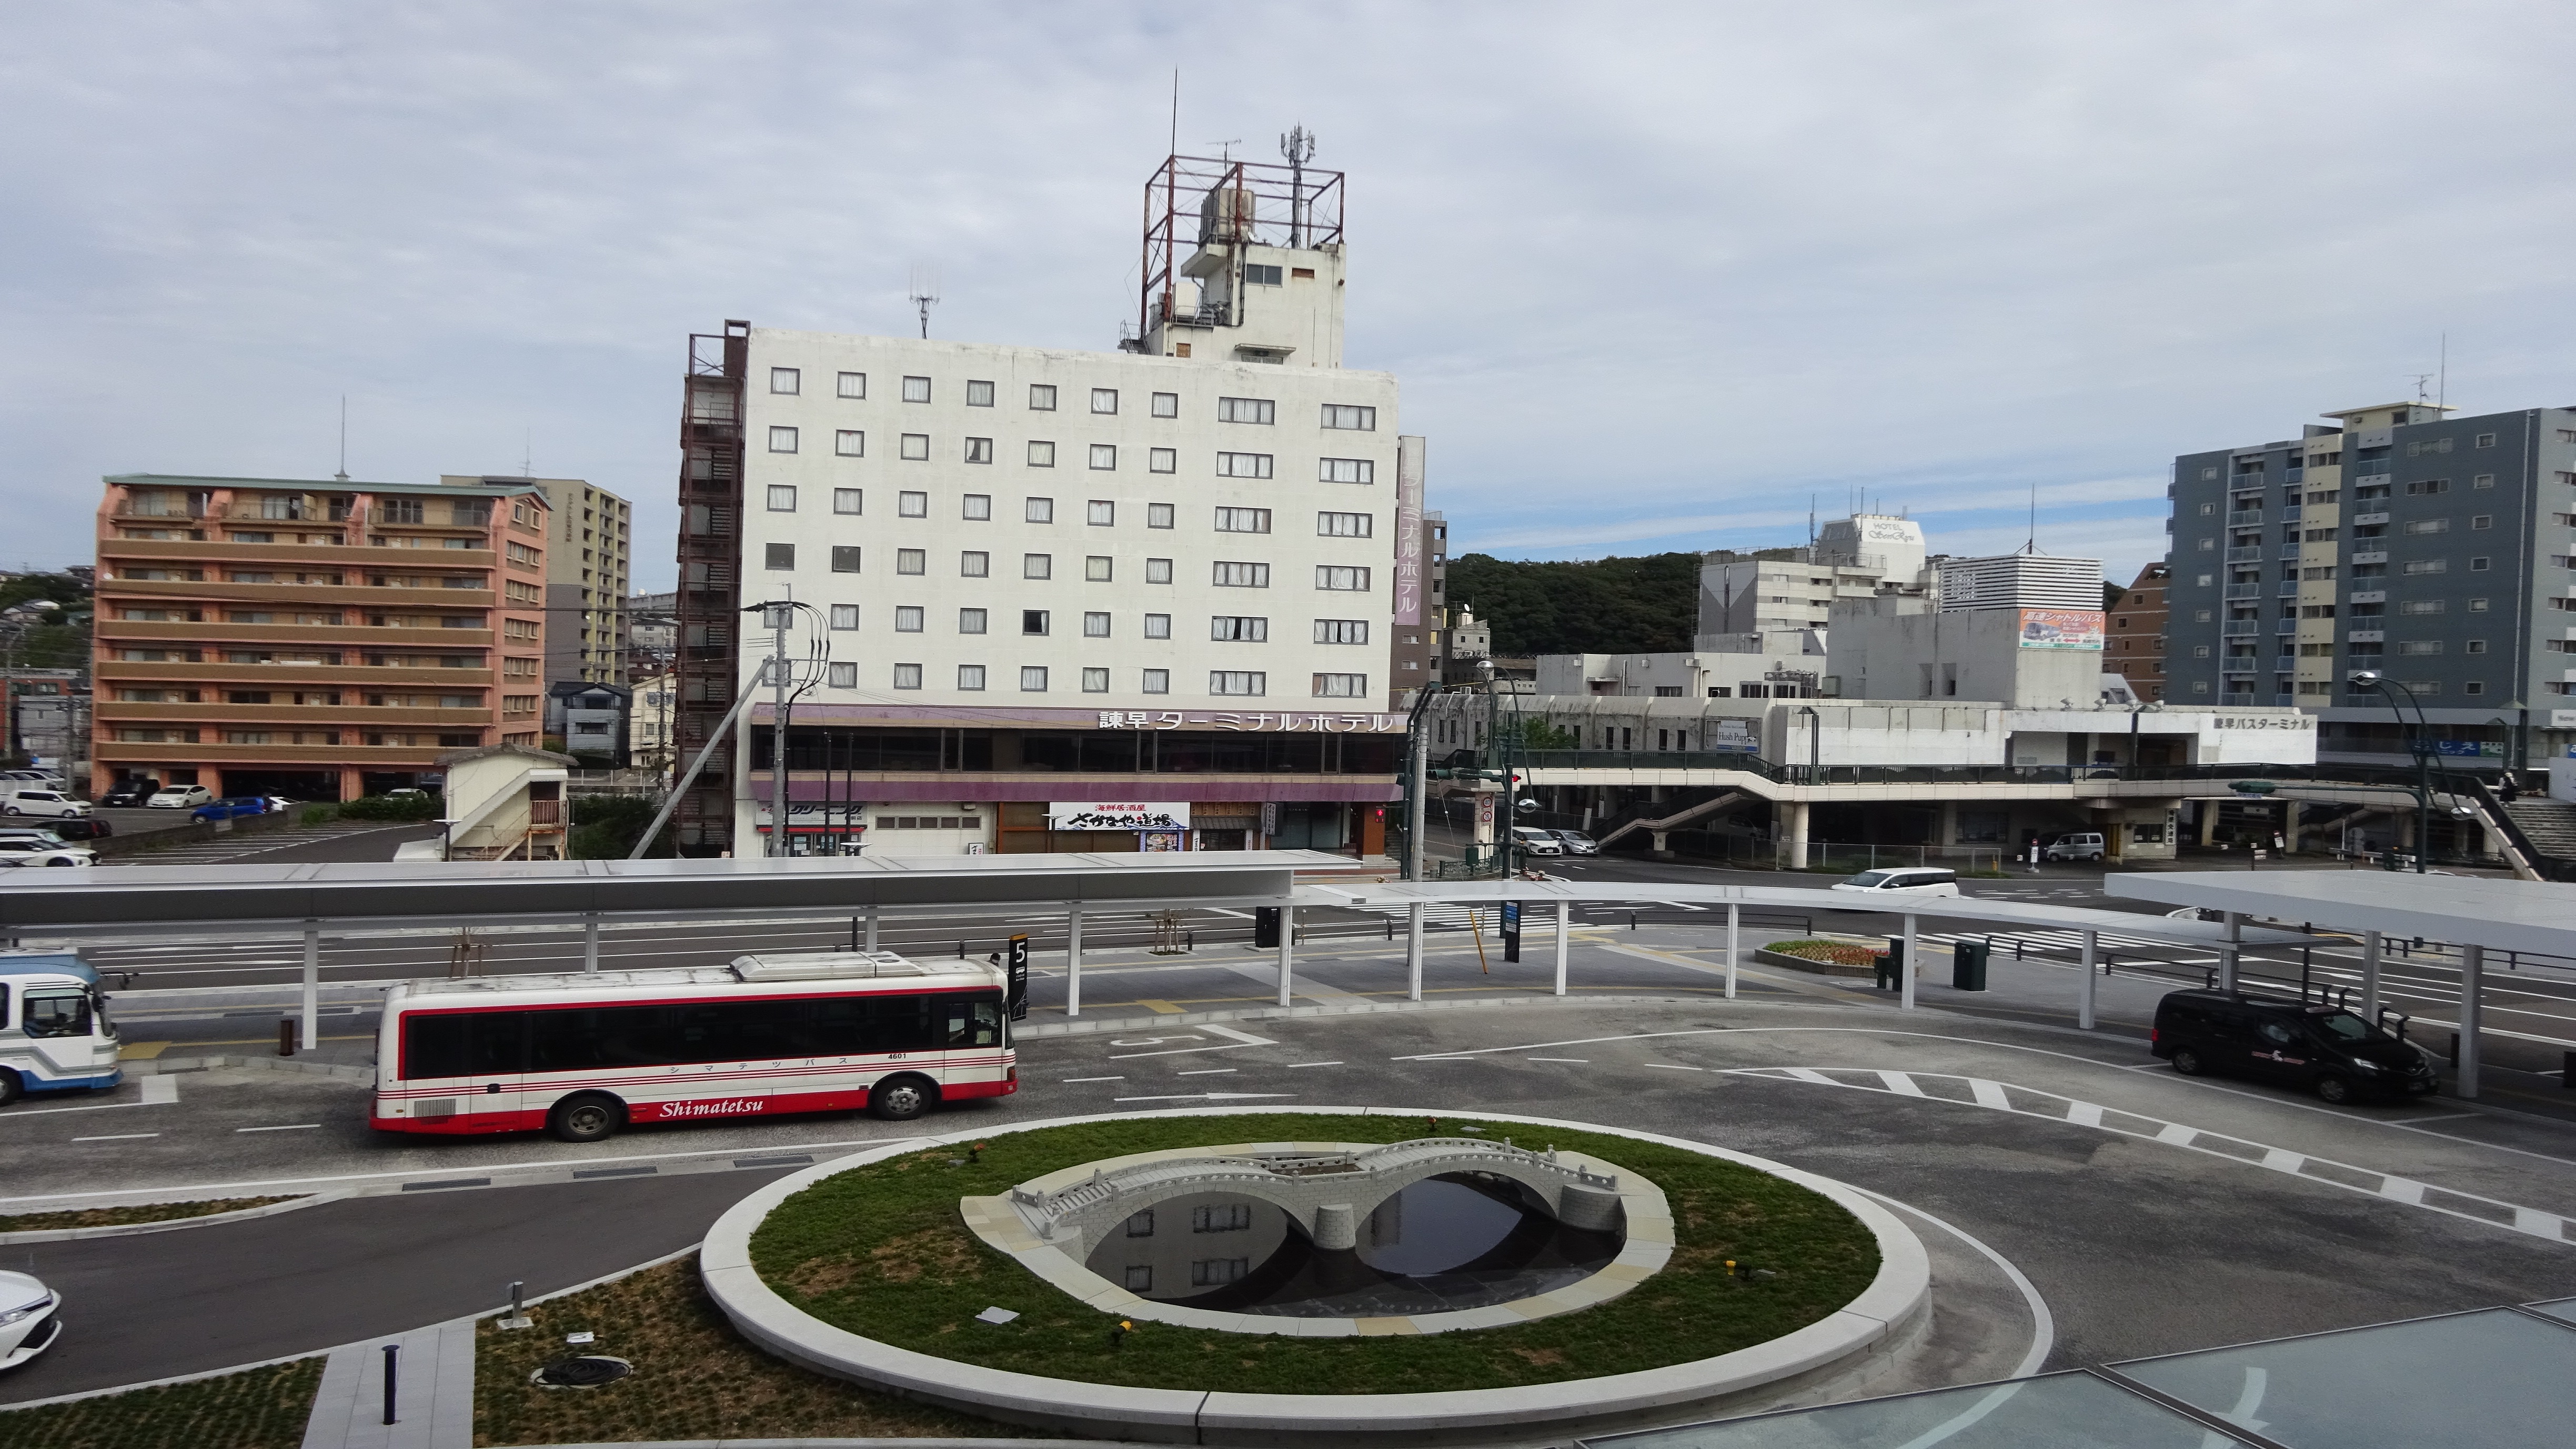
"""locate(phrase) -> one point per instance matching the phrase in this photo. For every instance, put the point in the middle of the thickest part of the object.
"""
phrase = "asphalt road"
(2221, 1212)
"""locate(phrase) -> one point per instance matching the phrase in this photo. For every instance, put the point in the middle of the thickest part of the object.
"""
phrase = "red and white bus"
(582, 1055)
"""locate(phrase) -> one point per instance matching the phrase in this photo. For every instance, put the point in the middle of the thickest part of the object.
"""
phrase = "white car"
(1908, 881)
(179, 797)
(1576, 842)
(30, 801)
(1534, 841)
(28, 1325)
(23, 850)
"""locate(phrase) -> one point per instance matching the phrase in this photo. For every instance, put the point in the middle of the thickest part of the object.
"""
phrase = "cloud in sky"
(1651, 275)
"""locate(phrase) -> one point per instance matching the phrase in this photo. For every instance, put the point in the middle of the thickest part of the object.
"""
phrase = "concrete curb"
(170, 1225)
(1891, 1301)
(336, 1071)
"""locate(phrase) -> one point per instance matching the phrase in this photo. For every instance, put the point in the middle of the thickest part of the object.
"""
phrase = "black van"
(2324, 1049)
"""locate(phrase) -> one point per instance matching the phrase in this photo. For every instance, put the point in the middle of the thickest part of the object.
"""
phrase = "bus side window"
(57, 1013)
(464, 1044)
(4, 1008)
(898, 1024)
(971, 1021)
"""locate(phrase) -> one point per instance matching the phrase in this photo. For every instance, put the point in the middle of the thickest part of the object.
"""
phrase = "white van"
(32, 800)
(2081, 845)
(1911, 881)
(54, 1031)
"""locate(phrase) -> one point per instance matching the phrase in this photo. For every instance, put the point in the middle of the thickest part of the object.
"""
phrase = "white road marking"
(293, 1127)
(1241, 1039)
(1671, 1067)
(1092, 1079)
(1901, 1084)
(119, 1137)
(2177, 1134)
(1570, 1061)
(1990, 1094)
(1292, 1066)
(1207, 1072)
(1209, 1097)
(159, 1089)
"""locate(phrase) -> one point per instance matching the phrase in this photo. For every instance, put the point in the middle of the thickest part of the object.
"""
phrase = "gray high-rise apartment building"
(2435, 549)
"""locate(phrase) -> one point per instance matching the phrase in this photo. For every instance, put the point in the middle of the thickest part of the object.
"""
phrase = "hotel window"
(1238, 629)
(854, 385)
(970, 677)
(1243, 465)
(847, 500)
(845, 676)
(979, 394)
(907, 676)
(1102, 513)
(1348, 470)
(974, 564)
(1341, 686)
(1332, 576)
(1341, 631)
(978, 508)
(915, 449)
(1162, 460)
(1037, 510)
(1158, 515)
(1240, 575)
(1339, 415)
(1037, 566)
(1104, 399)
(911, 561)
(916, 389)
(845, 558)
(845, 616)
(979, 450)
(850, 443)
(1246, 410)
(1155, 681)
(1158, 571)
(1033, 621)
(907, 619)
(779, 555)
(1095, 681)
(1041, 397)
(1104, 457)
(782, 498)
(783, 380)
(1344, 525)
(781, 440)
(1095, 626)
(1158, 626)
(970, 621)
(1238, 681)
(1041, 455)
(1095, 568)
(1167, 405)
(1243, 520)
(1033, 679)
(912, 505)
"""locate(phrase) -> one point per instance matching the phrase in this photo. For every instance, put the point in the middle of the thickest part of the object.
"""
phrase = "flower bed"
(1832, 953)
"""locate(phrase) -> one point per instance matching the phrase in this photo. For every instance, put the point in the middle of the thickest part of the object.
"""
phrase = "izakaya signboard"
(1115, 816)
(2061, 629)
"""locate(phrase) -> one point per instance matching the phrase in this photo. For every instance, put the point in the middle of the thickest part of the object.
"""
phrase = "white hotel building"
(1034, 582)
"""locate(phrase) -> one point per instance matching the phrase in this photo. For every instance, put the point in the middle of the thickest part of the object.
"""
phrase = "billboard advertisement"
(1117, 816)
(2061, 629)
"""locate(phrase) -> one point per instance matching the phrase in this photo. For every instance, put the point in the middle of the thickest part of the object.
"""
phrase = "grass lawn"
(694, 1378)
(262, 1408)
(147, 1212)
(881, 1251)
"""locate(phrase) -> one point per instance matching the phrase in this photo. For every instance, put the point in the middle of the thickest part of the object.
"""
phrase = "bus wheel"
(10, 1091)
(587, 1118)
(900, 1099)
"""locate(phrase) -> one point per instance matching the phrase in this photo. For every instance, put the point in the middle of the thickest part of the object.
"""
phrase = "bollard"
(2455, 1049)
(1632, 920)
(518, 1308)
(286, 1036)
(393, 1355)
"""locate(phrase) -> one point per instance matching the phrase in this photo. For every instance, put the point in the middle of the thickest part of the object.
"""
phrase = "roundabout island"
(1344, 1275)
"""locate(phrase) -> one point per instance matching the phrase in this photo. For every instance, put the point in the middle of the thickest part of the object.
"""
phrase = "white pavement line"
(1569, 1061)
(1292, 1066)
(1208, 1072)
(1810, 1074)
(1230, 1034)
(159, 1090)
(2282, 1160)
(1989, 1094)
(2538, 1224)
(2398, 1189)
(2043, 1330)
(2082, 1114)
(1091, 1079)
(2177, 1134)
(1671, 1067)
(49, 1111)
(1208, 1097)
(1901, 1084)
(291, 1127)
(119, 1137)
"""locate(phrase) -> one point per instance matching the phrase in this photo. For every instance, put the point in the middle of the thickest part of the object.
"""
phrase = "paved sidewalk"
(433, 1393)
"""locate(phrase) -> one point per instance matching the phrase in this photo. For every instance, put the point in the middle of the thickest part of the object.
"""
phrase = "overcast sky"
(1650, 276)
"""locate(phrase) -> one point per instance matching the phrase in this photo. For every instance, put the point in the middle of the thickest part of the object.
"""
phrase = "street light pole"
(2417, 744)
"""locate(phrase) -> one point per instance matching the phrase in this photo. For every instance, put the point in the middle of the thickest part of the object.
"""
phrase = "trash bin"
(1968, 966)
(1891, 967)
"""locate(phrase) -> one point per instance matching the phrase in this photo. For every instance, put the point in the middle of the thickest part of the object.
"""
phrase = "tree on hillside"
(1602, 606)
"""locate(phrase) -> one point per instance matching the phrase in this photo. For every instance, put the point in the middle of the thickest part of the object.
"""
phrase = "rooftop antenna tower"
(2424, 387)
(2032, 547)
(343, 474)
(1299, 147)
(528, 453)
(924, 295)
(2442, 382)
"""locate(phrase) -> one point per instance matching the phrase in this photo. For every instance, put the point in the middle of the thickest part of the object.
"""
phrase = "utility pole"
(777, 842)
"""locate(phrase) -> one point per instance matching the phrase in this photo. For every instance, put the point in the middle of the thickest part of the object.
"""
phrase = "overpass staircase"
(2547, 831)
(1634, 819)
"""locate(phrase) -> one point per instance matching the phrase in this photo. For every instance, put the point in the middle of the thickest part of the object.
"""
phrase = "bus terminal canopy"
(229, 898)
(2499, 915)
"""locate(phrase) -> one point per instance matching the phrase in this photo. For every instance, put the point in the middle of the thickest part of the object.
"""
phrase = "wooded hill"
(1602, 606)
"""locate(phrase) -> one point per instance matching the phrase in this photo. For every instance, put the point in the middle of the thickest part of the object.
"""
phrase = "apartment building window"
(978, 508)
(970, 621)
(1246, 410)
(1347, 417)
(1033, 679)
(1162, 460)
(1355, 686)
(2426, 487)
(1238, 575)
(1158, 626)
(970, 677)
(1095, 626)
(2477, 606)
(912, 505)
(2421, 606)
(1041, 397)
(783, 380)
(1243, 465)
(1344, 525)
(1158, 515)
(1104, 457)
(845, 616)
(907, 618)
(1339, 577)
(1033, 621)
(1101, 513)
(1155, 681)
(2420, 646)
(1095, 681)
(974, 563)
(847, 500)
(1041, 455)
(2473, 646)
(1095, 569)
(850, 443)
(779, 555)
(1037, 510)
(2477, 565)
(979, 394)
(916, 389)
(845, 558)
(2483, 480)
(1167, 405)
(907, 676)
(782, 498)
(911, 561)
(1348, 470)
(1104, 399)
(853, 385)
(2429, 566)
(1158, 571)
(1243, 520)
(2483, 440)
(979, 450)
(781, 440)
(2317, 535)
(1341, 631)
(845, 676)
(1238, 629)
(2428, 525)
(1238, 681)
(2481, 520)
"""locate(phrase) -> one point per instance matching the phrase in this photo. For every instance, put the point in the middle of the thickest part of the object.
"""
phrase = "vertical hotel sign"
(1409, 546)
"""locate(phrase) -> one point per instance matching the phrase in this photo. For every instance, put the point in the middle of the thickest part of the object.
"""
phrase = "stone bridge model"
(1328, 1192)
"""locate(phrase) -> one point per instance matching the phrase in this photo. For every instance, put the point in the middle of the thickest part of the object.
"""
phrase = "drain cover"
(587, 1372)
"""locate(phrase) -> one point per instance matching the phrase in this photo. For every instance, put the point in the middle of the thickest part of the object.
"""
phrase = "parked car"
(30, 800)
(231, 807)
(49, 834)
(130, 792)
(277, 803)
(2322, 1049)
(1534, 841)
(1576, 842)
(1908, 881)
(41, 779)
(28, 1321)
(2075, 845)
(22, 851)
(86, 827)
(179, 797)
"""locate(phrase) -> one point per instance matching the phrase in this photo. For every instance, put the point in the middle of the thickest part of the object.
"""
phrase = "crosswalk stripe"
(1990, 1094)
(1901, 1084)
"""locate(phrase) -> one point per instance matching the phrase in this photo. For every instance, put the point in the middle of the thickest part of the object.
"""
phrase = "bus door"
(970, 1038)
(476, 1061)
